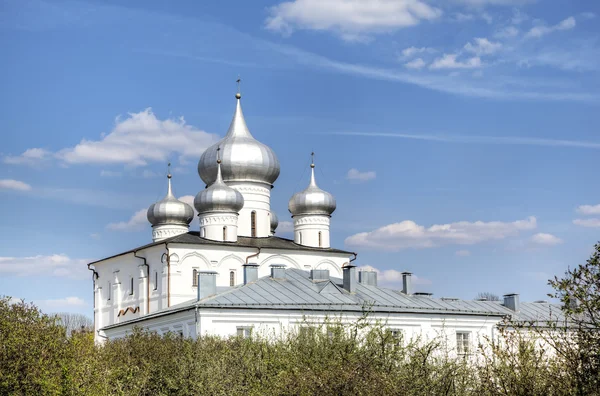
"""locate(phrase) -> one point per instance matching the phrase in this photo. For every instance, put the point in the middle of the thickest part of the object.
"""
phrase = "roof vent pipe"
(319, 274)
(207, 284)
(368, 278)
(250, 272)
(277, 271)
(407, 283)
(511, 301)
(350, 278)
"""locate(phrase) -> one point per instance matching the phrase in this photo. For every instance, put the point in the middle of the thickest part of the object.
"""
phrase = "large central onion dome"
(218, 197)
(244, 158)
(313, 200)
(170, 210)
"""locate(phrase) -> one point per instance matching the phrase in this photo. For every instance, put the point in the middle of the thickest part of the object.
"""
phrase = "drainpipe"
(94, 277)
(147, 280)
(168, 275)
(253, 255)
(350, 262)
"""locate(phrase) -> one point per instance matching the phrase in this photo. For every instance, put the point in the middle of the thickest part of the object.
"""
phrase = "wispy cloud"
(545, 239)
(358, 176)
(409, 235)
(58, 265)
(592, 223)
(504, 140)
(11, 184)
(393, 278)
(542, 30)
(589, 209)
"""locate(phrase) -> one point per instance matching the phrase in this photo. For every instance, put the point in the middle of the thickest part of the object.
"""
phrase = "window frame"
(131, 286)
(253, 224)
(231, 278)
(463, 342)
(109, 291)
(194, 277)
(320, 239)
(244, 331)
(224, 233)
(155, 280)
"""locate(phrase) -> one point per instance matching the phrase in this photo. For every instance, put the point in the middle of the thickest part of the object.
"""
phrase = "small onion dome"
(244, 158)
(170, 210)
(274, 222)
(219, 197)
(312, 200)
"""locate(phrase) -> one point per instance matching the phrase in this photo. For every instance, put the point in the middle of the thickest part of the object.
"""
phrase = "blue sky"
(459, 137)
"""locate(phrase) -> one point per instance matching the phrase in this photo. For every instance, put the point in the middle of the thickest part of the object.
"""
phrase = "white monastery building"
(234, 276)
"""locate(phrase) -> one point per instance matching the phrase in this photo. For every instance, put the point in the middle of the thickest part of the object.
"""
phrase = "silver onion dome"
(218, 197)
(274, 222)
(170, 210)
(244, 158)
(312, 200)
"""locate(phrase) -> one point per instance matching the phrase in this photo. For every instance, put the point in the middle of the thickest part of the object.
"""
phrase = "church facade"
(233, 275)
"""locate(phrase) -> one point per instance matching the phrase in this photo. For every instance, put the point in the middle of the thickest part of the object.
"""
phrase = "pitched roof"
(298, 292)
(272, 242)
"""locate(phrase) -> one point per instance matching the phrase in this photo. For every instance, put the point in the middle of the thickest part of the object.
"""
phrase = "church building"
(235, 276)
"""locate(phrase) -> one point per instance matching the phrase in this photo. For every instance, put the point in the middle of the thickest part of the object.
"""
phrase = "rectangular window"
(131, 286)
(253, 224)
(244, 331)
(463, 342)
(155, 280)
(108, 291)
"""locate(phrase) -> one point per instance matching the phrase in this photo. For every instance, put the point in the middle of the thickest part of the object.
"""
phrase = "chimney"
(511, 301)
(277, 271)
(407, 283)
(250, 272)
(207, 284)
(319, 274)
(368, 278)
(350, 278)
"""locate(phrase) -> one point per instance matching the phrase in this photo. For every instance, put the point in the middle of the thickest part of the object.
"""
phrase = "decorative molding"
(218, 219)
(252, 189)
(198, 255)
(167, 232)
(231, 257)
(133, 310)
(282, 258)
(312, 220)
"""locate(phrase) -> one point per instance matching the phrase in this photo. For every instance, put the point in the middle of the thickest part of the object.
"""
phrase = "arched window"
(320, 239)
(155, 280)
(225, 233)
(195, 277)
(253, 224)
(231, 278)
(300, 238)
(131, 286)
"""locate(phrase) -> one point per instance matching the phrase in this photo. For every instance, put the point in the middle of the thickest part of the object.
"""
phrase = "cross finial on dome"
(238, 95)
(218, 155)
(169, 170)
(312, 159)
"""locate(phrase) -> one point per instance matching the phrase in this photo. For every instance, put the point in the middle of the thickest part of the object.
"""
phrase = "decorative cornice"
(311, 220)
(167, 232)
(218, 219)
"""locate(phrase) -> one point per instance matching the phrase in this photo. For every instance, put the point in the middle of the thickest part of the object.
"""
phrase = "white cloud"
(31, 157)
(135, 223)
(589, 209)
(392, 277)
(139, 220)
(545, 239)
(411, 51)
(350, 19)
(61, 303)
(355, 175)
(507, 32)
(10, 184)
(136, 140)
(285, 227)
(482, 46)
(448, 61)
(481, 3)
(462, 253)
(59, 265)
(415, 64)
(542, 30)
(108, 173)
(593, 222)
(408, 234)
